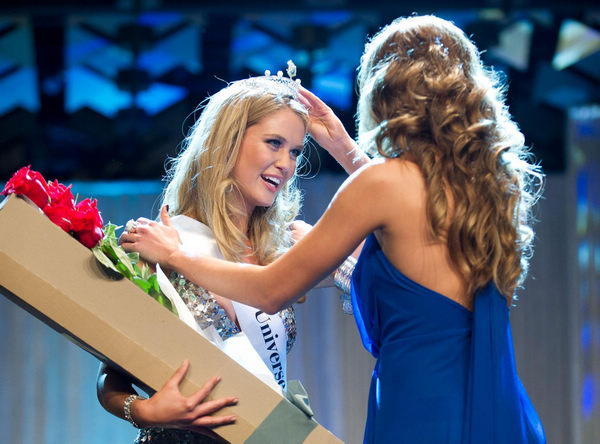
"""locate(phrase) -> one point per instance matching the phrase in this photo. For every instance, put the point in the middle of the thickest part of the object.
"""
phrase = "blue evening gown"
(443, 374)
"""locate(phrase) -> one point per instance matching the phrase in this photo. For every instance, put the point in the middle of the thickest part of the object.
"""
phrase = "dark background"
(94, 90)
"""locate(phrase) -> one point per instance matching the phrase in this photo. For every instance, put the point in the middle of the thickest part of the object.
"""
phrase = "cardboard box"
(59, 281)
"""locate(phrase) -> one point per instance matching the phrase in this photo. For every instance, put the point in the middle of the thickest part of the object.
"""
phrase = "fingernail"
(167, 208)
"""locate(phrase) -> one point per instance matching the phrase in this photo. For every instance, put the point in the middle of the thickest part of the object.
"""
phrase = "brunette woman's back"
(444, 373)
(405, 238)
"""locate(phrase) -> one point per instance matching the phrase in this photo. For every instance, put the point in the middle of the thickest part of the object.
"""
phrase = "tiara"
(277, 84)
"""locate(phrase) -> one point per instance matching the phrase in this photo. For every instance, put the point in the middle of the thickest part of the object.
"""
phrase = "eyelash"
(277, 144)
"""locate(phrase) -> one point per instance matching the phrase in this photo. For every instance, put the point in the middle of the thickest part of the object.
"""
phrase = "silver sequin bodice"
(208, 312)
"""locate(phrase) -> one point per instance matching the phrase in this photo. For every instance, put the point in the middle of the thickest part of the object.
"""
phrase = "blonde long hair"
(425, 94)
(200, 184)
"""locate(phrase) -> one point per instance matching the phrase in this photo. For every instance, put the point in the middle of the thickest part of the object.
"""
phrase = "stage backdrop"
(47, 384)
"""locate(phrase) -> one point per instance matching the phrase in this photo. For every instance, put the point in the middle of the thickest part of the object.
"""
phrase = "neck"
(242, 222)
(242, 219)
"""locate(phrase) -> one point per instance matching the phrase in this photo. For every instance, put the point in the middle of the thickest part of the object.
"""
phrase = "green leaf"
(146, 271)
(134, 257)
(153, 280)
(103, 258)
(137, 270)
(123, 270)
(109, 230)
(142, 283)
(111, 243)
(109, 250)
(124, 259)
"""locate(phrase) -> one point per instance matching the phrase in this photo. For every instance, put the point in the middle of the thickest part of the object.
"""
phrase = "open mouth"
(272, 181)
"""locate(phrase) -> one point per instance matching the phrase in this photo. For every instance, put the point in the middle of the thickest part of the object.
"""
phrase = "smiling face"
(267, 157)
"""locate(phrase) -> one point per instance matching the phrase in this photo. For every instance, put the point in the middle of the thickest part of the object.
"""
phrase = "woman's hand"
(324, 126)
(155, 242)
(299, 229)
(169, 408)
(329, 132)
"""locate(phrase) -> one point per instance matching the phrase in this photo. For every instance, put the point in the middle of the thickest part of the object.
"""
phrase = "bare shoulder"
(392, 191)
(375, 197)
(399, 176)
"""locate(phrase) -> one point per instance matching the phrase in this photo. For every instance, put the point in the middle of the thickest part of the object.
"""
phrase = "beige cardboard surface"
(59, 281)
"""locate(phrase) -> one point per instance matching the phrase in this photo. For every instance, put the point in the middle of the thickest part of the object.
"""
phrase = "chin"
(267, 201)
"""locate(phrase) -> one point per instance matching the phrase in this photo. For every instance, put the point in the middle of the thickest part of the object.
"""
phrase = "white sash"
(268, 337)
(261, 345)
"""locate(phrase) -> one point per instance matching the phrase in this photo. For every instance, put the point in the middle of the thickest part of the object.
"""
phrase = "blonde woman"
(445, 209)
(232, 195)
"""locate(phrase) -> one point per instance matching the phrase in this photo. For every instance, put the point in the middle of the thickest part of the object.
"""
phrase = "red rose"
(60, 194)
(87, 215)
(91, 238)
(30, 183)
(56, 200)
(61, 215)
(87, 223)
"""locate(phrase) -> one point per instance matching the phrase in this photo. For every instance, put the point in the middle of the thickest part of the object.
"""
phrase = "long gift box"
(59, 281)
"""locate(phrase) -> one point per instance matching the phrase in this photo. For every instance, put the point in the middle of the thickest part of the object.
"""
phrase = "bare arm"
(299, 229)
(358, 208)
(167, 407)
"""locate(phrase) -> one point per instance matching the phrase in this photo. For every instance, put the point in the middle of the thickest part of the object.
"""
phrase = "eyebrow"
(279, 136)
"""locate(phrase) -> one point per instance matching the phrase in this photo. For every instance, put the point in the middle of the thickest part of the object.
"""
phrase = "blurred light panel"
(587, 396)
(514, 44)
(583, 256)
(19, 90)
(117, 188)
(584, 126)
(575, 42)
(85, 88)
(95, 56)
(582, 203)
(18, 74)
(158, 97)
(179, 49)
(326, 47)
(160, 20)
(85, 49)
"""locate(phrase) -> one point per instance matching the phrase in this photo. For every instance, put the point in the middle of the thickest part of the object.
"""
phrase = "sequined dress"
(207, 312)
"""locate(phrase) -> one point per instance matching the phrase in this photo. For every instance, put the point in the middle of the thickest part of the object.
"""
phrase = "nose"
(284, 163)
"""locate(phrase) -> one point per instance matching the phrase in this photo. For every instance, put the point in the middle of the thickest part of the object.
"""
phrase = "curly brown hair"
(426, 96)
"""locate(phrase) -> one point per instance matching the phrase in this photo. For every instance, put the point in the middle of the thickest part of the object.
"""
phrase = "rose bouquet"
(83, 221)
